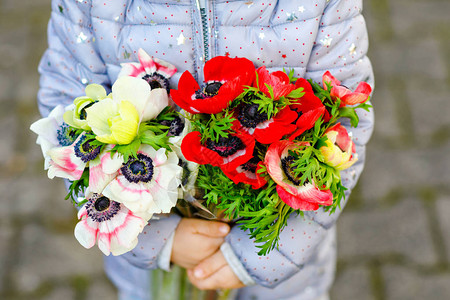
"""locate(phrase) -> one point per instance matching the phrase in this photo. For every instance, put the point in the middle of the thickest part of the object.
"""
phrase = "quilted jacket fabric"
(88, 40)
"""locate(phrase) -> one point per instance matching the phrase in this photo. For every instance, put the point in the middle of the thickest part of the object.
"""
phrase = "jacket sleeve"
(71, 62)
(340, 47)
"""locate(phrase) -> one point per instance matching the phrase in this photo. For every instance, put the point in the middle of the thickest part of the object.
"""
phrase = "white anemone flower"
(149, 103)
(116, 120)
(53, 132)
(109, 224)
(146, 183)
(154, 71)
(70, 161)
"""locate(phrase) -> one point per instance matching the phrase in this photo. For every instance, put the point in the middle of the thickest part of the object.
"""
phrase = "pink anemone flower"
(113, 226)
(154, 71)
(145, 183)
(279, 164)
(360, 95)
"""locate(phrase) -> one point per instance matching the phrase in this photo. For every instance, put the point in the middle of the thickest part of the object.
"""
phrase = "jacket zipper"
(201, 5)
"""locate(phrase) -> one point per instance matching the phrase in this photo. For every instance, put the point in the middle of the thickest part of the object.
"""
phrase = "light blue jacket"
(89, 39)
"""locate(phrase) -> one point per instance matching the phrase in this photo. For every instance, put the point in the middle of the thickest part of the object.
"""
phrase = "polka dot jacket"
(88, 40)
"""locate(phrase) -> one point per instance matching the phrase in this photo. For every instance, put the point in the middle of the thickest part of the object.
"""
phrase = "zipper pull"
(201, 4)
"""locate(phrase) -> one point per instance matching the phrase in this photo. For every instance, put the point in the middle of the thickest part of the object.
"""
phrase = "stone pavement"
(394, 237)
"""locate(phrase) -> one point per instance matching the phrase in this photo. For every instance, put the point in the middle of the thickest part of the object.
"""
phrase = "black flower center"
(176, 126)
(251, 165)
(210, 90)
(85, 150)
(226, 146)
(102, 203)
(100, 208)
(299, 113)
(288, 167)
(249, 116)
(138, 169)
(157, 81)
(66, 135)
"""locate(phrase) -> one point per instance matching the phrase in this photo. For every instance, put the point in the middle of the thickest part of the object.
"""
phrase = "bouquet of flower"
(268, 144)
(250, 145)
(119, 153)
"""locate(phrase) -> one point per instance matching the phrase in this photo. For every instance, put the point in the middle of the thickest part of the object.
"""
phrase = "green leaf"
(128, 150)
(78, 187)
(349, 112)
(297, 93)
(156, 141)
(366, 106)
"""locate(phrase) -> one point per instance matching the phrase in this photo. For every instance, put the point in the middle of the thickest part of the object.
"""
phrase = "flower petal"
(146, 61)
(85, 234)
(194, 151)
(134, 90)
(98, 115)
(295, 201)
(164, 68)
(157, 102)
(131, 69)
(95, 92)
(65, 164)
(135, 196)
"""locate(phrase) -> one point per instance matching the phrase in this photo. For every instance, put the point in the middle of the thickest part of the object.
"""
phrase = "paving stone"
(408, 169)
(386, 122)
(7, 138)
(429, 106)
(353, 283)
(62, 293)
(418, 19)
(422, 57)
(404, 283)
(35, 195)
(402, 229)
(49, 256)
(443, 212)
(6, 233)
(101, 289)
(12, 5)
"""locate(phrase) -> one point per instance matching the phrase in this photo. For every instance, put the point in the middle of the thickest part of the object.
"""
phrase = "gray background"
(394, 237)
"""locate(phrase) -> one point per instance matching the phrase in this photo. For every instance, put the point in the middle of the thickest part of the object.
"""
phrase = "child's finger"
(209, 265)
(210, 228)
(224, 278)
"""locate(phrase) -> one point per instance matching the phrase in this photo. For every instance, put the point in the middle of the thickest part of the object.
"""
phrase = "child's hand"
(196, 240)
(214, 273)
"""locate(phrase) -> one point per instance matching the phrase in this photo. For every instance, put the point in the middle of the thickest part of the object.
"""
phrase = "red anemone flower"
(232, 151)
(279, 166)
(246, 173)
(309, 108)
(225, 79)
(255, 123)
(278, 81)
(360, 95)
